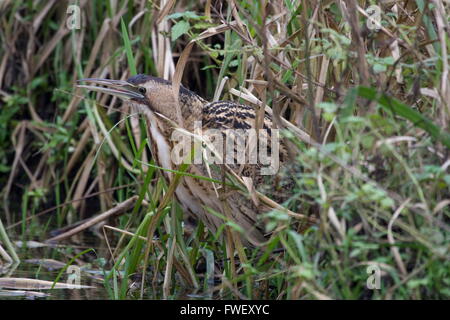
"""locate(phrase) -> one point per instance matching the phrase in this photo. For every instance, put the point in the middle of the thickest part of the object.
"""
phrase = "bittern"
(154, 98)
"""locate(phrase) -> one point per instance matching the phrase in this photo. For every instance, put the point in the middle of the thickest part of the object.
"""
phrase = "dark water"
(98, 292)
(46, 263)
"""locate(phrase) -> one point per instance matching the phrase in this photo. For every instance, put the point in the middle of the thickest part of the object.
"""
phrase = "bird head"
(146, 92)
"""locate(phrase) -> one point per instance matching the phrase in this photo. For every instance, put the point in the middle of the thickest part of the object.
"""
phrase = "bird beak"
(119, 88)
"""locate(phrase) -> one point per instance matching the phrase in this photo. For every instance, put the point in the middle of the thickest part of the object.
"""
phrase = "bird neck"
(160, 99)
(191, 108)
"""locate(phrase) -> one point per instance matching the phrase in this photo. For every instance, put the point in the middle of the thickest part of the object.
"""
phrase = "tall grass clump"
(364, 104)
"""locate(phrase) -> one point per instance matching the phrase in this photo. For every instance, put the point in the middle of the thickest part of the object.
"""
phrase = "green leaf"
(37, 82)
(233, 63)
(414, 283)
(203, 25)
(378, 68)
(186, 15)
(179, 29)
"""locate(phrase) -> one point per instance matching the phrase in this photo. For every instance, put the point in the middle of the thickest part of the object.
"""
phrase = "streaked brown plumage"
(155, 99)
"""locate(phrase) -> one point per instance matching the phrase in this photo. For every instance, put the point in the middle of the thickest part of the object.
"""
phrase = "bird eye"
(142, 90)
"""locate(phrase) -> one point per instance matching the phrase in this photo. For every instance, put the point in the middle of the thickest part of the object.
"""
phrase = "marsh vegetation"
(367, 104)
